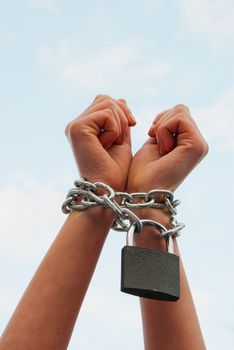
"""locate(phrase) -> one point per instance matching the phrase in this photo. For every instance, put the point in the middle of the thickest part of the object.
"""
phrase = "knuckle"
(201, 149)
(98, 97)
(181, 108)
(182, 114)
(159, 128)
(124, 127)
(122, 100)
(206, 148)
(116, 131)
(124, 123)
(108, 112)
(73, 129)
(110, 103)
(67, 129)
(101, 97)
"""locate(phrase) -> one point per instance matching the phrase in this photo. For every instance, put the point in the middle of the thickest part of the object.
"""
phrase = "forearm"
(169, 325)
(46, 314)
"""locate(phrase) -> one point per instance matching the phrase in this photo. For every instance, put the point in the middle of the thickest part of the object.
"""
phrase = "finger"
(124, 114)
(108, 126)
(179, 108)
(167, 129)
(100, 97)
(124, 120)
(123, 105)
(179, 111)
(119, 114)
(110, 130)
(102, 102)
(156, 120)
(127, 136)
(180, 130)
(165, 139)
(100, 125)
(90, 112)
(117, 119)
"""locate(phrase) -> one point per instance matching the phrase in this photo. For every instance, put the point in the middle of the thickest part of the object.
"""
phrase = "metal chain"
(86, 194)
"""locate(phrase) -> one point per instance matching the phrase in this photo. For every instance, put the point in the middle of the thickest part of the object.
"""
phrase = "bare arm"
(172, 325)
(174, 148)
(46, 314)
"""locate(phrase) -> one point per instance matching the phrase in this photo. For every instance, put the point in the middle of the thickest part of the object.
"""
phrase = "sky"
(55, 57)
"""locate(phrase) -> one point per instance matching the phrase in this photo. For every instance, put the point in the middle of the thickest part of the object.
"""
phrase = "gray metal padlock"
(147, 272)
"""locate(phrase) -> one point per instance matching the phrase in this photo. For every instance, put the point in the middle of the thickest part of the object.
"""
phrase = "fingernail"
(151, 131)
(132, 118)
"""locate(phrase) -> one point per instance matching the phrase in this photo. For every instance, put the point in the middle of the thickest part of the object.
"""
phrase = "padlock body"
(150, 273)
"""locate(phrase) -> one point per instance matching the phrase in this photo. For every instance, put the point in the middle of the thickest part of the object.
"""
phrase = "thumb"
(127, 136)
(104, 126)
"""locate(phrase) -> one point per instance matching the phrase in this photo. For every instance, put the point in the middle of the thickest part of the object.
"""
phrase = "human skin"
(100, 139)
(101, 143)
(46, 314)
(174, 148)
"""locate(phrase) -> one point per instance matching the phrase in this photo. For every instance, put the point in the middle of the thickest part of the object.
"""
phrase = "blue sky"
(55, 57)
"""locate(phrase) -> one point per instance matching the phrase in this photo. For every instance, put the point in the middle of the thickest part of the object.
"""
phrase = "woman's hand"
(174, 148)
(100, 139)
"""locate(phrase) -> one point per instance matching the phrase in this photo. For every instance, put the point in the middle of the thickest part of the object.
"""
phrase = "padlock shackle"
(132, 232)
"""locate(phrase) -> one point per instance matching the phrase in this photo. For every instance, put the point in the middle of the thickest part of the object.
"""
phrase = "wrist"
(100, 218)
(161, 215)
(149, 236)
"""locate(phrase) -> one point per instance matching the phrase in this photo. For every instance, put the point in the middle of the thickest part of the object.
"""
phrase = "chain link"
(86, 194)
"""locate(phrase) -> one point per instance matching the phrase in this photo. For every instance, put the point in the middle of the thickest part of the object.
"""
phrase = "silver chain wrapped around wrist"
(86, 194)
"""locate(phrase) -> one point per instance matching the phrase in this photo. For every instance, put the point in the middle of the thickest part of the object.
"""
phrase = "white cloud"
(118, 314)
(217, 121)
(149, 5)
(104, 68)
(30, 218)
(95, 304)
(8, 39)
(29, 221)
(56, 55)
(46, 5)
(211, 19)
(204, 300)
(92, 72)
(7, 299)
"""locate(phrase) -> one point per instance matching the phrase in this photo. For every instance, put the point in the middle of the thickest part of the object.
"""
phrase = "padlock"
(147, 272)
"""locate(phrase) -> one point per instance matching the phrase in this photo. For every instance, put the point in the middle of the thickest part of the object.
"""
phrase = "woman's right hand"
(100, 140)
(174, 148)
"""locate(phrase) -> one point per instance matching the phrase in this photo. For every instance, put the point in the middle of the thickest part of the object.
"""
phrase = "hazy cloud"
(217, 121)
(30, 217)
(213, 20)
(9, 39)
(46, 5)
(104, 68)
